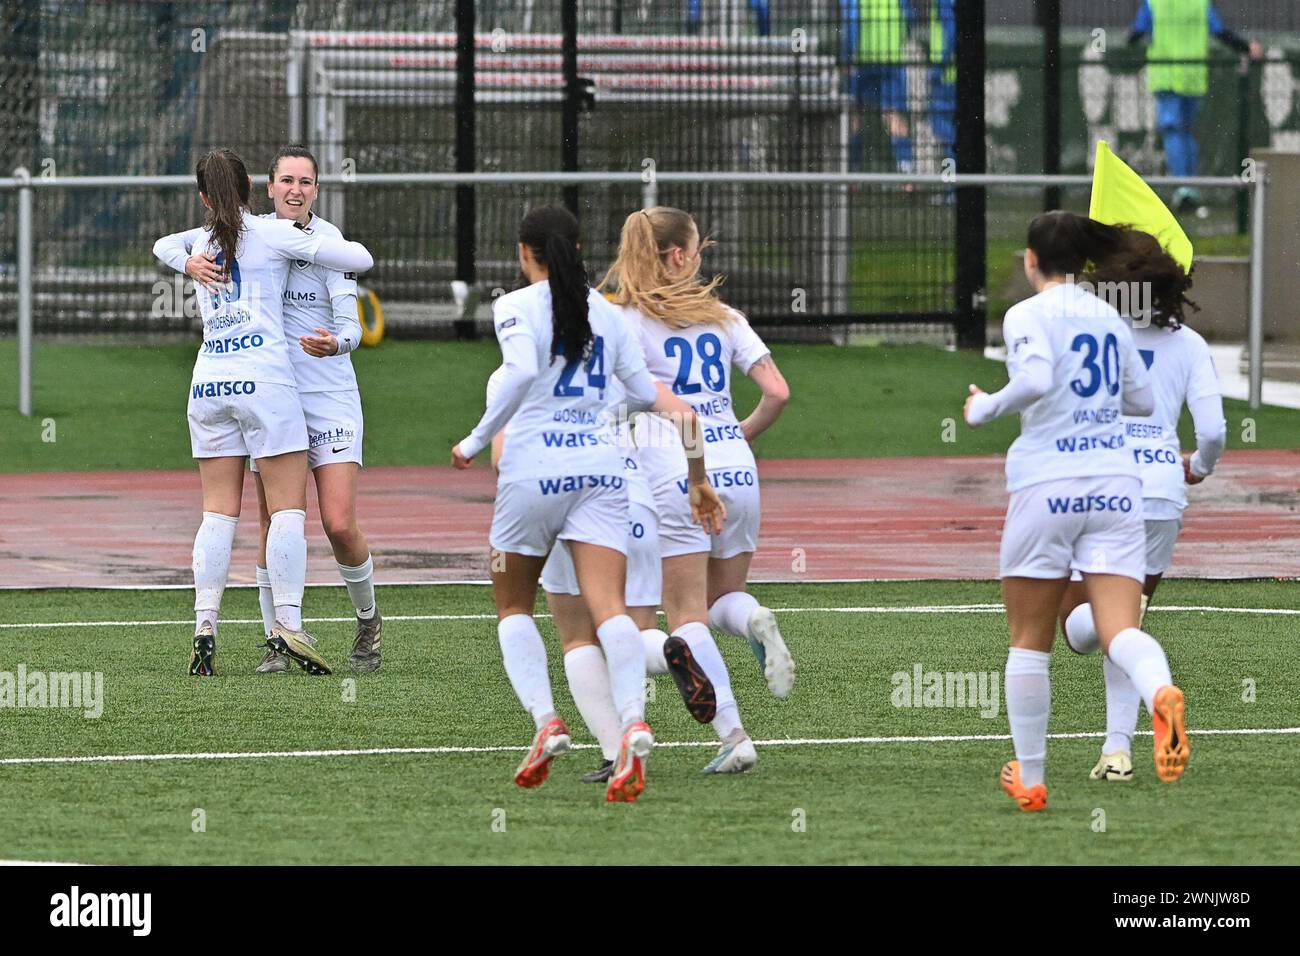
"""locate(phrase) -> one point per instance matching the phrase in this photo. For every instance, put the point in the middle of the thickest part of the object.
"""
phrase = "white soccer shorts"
(645, 576)
(256, 419)
(678, 534)
(532, 514)
(1093, 525)
(334, 427)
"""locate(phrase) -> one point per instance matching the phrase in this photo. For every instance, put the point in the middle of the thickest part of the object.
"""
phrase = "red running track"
(823, 520)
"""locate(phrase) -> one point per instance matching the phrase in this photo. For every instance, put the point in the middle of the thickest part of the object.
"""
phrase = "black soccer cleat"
(204, 657)
(697, 690)
(600, 775)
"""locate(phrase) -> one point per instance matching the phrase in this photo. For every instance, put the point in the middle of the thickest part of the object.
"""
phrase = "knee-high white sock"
(1122, 702)
(731, 612)
(707, 655)
(589, 684)
(525, 659)
(286, 563)
(1081, 630)
(264, 599)
(361, 587)
(211, 564)
(1140, 656)
(625, 658)
(1029, 703)
(654, 651)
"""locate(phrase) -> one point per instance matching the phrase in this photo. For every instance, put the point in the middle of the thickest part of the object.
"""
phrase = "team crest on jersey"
(301, 264)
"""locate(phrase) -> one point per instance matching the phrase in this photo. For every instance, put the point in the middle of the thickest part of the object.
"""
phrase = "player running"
(1181, 371)
(691, 340)
(1076, 501)
(320, 315)
(561, 478)
(244, 401)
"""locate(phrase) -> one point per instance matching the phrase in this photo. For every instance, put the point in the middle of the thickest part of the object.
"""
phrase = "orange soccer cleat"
(1030, 798)
(551, 741)
(628, 780)
(1172, 745)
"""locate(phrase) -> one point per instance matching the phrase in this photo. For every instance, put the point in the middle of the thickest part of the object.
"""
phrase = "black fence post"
(971, 236)
(572, 100)
(466, 266)
(1049, 13)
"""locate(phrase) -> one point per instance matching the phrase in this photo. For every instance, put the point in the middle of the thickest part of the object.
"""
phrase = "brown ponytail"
(640, 276)
(223, 179)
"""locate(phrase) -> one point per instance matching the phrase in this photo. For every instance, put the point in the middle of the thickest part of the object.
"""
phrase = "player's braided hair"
(642, 278)
(551, 233)
(223, 179)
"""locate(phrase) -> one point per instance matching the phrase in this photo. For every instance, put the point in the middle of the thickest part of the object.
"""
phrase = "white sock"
(286, 564)
(1140, 656)
(361, 587)
(211, 564)
(1028, 691)
(589, 684)
(525, 659)
(1122, 702)
(654, 651)
(1081, 630)
(731, 613)
(264, 599)
(707, 655)
(625, 659)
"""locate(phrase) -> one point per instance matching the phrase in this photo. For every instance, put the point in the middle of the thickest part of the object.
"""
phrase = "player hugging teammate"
(253, 395)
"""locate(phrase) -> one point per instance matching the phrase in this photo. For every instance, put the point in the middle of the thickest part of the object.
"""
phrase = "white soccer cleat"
(1116, 767)
(773, 656)
(734, 758)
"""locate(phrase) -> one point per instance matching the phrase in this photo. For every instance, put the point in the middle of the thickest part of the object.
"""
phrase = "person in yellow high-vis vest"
(874, 34)
(943, 74)
(1178, 74)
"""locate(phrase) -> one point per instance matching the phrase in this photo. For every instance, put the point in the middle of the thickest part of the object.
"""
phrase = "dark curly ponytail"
(551, 233)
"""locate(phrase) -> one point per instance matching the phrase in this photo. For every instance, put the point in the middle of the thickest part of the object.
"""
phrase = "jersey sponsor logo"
(238, 343)
(559, 486)
(1086, 503)
(291, 296)
(728, 478)
(575, 415)
(1142, 430)
(716, 433)
(1089, 443)
(573, 440)
(1097, 416)
(221, 389)
(1152, 456)
(342, 435)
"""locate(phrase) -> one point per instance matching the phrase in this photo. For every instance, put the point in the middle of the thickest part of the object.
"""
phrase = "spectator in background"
(1178, 74)
(943, 75)
(875, 36)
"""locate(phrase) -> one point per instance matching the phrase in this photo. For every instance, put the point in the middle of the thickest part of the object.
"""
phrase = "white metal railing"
(25, 184)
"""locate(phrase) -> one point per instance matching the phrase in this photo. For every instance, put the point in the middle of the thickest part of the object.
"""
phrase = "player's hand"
(203, 269)
(1188, 475)
(965, 409)
(459, 460)
(707, 509)
(1256, 50)
(320, 345)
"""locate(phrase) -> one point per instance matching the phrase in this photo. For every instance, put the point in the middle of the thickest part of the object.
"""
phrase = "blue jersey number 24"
(594, 366)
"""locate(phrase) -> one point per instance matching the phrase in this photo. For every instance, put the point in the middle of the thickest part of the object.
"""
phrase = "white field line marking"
(916, 609)
(797, 742)
(40, 863)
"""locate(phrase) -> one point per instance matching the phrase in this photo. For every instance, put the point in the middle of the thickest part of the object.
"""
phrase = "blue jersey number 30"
(1107, 371)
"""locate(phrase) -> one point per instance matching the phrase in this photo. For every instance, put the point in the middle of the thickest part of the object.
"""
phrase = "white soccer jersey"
(695, 362)
(314, 297)
(1075, 430)
(561, 429)
(243, 327)
(1181, 370)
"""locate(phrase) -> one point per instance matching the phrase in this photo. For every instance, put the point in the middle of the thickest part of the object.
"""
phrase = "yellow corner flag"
(1120, 196)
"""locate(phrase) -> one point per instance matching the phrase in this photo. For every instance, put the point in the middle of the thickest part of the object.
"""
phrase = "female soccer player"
(691, 339)
(1076, 500)
(244, 401)
(1182, 371)
(320, 315)
(561, 478)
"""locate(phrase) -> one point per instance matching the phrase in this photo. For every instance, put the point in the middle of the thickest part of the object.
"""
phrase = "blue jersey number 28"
(712, 370)
(1108, 371)
(594, 366)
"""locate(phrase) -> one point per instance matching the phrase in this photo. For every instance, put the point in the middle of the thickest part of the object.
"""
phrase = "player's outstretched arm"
(1031, 381)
